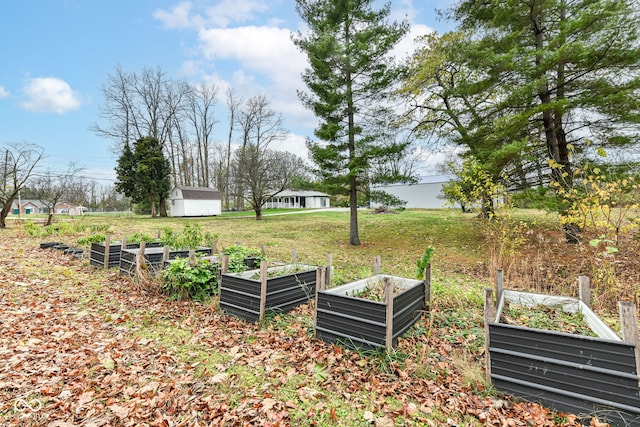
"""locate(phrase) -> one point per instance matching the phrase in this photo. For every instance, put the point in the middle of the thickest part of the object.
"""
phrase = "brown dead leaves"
(72, 353)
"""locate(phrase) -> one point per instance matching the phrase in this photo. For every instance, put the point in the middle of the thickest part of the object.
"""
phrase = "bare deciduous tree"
(52, 186)
(263, 173)
(18, 162)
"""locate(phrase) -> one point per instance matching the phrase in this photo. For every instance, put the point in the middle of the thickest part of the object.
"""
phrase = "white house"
(195, 201)
(298, 199)
(424, 194)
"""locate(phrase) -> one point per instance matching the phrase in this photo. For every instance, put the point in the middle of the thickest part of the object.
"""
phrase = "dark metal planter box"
(583, 375)
(49, 245)
(153, 256)
(240, 293)
(98, 250)
(362, 323)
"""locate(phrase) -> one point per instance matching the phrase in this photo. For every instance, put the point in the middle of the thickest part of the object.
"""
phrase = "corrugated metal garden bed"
(344, 314)
(153, 257)
(591, 376)
(250, 294)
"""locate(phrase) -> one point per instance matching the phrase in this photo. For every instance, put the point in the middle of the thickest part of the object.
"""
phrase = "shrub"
(183, 281)
(191, 237)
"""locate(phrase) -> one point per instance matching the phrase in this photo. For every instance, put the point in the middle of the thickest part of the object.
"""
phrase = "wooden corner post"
(584, 290)
(107, 250)
(329, 270)
(499, 284)
(629, 323)
(388, 299)
(263, 290)
(320, 286)
(377, 265)
(489, 317)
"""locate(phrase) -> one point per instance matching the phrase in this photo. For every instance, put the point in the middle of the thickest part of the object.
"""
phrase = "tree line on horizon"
(525, 95)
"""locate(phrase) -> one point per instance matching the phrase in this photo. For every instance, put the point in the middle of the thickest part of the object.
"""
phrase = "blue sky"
(57, 55)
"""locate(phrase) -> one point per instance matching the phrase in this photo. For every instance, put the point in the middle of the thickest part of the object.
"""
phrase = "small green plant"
(191, 237)
(286, 271)
(547, 317)
(607, 243)
(140, 237)
(182, 281)
(94, 238)
(424, 261)
(237, 255)
(32, 229)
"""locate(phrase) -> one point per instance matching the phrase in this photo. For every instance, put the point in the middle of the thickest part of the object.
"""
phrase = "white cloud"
(229, 11)
(265, 50)
(177, 16)
(222, 14)
(3, 92)
(50, 95)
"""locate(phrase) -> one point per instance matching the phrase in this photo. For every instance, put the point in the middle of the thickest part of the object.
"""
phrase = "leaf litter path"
(80, 347)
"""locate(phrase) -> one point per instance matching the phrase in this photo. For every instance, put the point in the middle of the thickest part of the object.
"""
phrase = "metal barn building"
(424, 194)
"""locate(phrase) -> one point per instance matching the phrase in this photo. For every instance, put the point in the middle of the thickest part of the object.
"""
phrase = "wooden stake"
(499, 284)
(584, 290)
(192, 257)
(264, 251)
(319, 287)
(388, 299)
(140, 260)
(224, 264)
(214, 246)
(263, 290)
(124, 243)
(165, 254)
(294, 256)
(329, 270)
(377, 263)
(489, 315)
(107, 249)
(629, 323)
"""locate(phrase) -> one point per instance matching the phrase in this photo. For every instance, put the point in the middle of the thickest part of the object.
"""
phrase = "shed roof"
(199, 193)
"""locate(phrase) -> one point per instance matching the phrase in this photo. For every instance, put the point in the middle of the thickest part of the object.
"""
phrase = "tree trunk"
(163, 208)
(548, 119)
(4, 212)
(49, 217)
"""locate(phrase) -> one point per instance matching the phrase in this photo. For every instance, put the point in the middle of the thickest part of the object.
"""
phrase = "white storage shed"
(195, 201)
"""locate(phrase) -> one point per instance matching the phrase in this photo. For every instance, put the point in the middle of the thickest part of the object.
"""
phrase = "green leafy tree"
(446, 105)
(350, 80)
(474, 187)
(563, 71)
(125, 171)
(144, 175)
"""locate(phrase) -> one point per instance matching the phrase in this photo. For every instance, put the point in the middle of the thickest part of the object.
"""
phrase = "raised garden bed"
(49, 245)
(357, 315)
(590, 372)
(247, 296)
(154, 258)
(98, 252)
